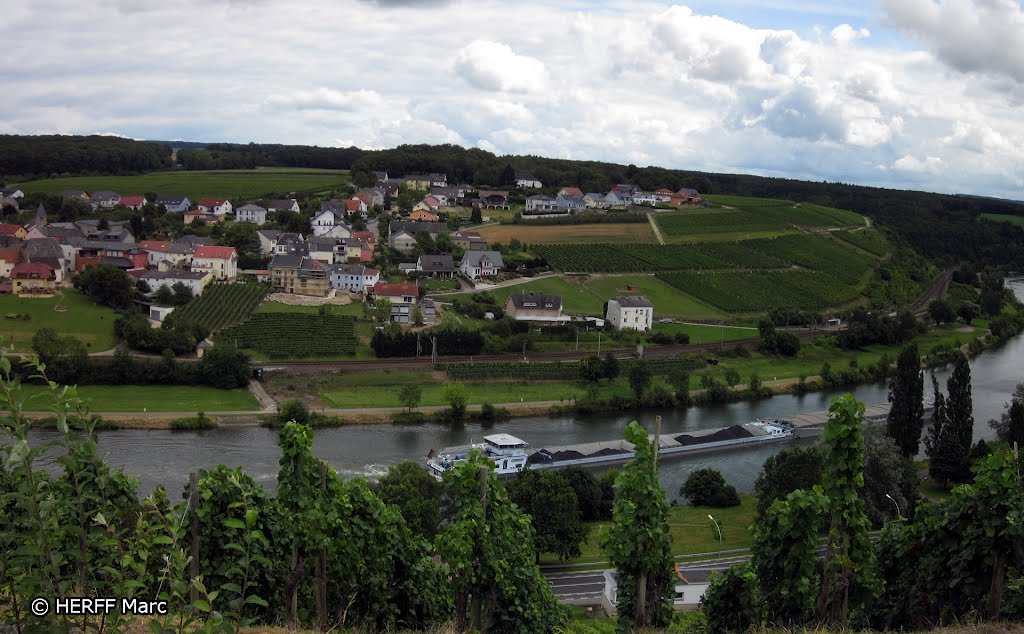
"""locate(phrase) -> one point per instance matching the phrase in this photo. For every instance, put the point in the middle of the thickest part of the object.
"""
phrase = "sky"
(915, 94)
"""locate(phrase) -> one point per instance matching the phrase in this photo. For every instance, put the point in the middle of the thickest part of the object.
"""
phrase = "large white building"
(633, 313)
(196, 281)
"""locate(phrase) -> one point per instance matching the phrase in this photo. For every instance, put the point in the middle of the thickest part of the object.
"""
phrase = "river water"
(166, 457)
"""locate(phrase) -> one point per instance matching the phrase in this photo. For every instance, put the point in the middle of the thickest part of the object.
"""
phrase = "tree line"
(32, 157)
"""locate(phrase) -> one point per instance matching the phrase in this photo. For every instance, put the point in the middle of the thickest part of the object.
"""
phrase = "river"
(166, 457)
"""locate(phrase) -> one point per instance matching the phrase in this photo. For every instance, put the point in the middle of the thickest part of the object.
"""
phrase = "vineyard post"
(193, 518)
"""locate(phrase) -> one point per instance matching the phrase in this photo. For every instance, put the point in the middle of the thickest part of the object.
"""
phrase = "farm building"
(630, 313)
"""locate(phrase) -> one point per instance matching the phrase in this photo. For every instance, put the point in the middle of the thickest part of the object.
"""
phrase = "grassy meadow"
(1014, 220)
(200, 184)
(152, 398)
(555, 234)
(84, 319)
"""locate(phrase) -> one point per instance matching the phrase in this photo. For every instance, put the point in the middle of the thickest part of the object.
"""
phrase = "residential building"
(11, 193)
(419, 182)
(175, 255)
(436, 266)
(627, 188)
(438, 180)
(195, 241)
(403, 297)
(7, 203)
(490, 199)
(299, 275)
(402, 234)
(105, 199)
(536, 307)
(371, 197)
(355, 205)
(527, 180)
(572, 202)
(594, 200)
(325, 249)
(381, 176)
(196, 281)
(205, 217)
(285, 204)
(268, 238)
(48, 251)
(572, 191)
(32, 277)
(290, 244)
(663, 195)
(477, 264)
(74, 193)
(216, 206)
(251, 213)
(540, 203)
(630, 313)
(174, 203)
(690, 586)
(421, 213)
(16, 231)
(221, 262)
(10, 255)
(354, 278)
(133, 202)
(124, 255)
(331, 220)
(645, 198)
(402, 241)
(691, 195)
(469, 240)
(618, 200)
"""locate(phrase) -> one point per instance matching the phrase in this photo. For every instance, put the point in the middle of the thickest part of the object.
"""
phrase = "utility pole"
(433, 351)
(598, 343)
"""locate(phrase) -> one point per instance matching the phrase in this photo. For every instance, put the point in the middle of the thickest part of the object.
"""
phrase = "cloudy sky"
(922, 94)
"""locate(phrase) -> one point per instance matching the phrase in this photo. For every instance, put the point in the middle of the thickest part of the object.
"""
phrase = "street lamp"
(899, 514)
(719, 537)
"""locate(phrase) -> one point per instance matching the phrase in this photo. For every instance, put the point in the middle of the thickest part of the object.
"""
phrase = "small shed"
(159, 313)
(202, 347)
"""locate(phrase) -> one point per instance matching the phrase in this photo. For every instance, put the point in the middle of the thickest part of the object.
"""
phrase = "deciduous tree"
(554, 512)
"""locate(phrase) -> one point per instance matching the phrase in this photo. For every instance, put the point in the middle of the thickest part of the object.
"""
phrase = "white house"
(221, 262)
(527, 180)
(330, 221)
(251, 213)
(355, 279)
(645, 198)
(12, 193)
(105, 199)
(690, 586)
(175, 254)
(176, 204)
(617, 199)
(196, 281)
(594, 200)
(630, 313)
(285, 204)
(216, 206)
(477, 264)
(540, 202)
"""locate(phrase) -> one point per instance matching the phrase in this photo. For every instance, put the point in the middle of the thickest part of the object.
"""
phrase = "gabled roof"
(596, 197)
(194, 240)
(270, 234)
(174, 275)
(252, 208)
(33, 270)
(635, 301)
(353, 205)
(396, 290)
(525, 176)
(571, 190)
(283, 203)
(102, 196)
(212, 202)
(436, 263)
(133, 201)
(38, 248)
(171, 199)
(472, 258)
(9, 230)
(468, 234)
(487, 193)
(366, 236)
(536, 300)
(541, 198)
(219, 253)
(433, 202)
(286, 261)
(413, 227)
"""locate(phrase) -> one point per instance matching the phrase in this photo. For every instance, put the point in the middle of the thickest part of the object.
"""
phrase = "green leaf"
(232, 522)
(201, 605)
(256, 600)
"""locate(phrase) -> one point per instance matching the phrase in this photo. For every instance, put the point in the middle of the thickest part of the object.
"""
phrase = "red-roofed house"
(221, 262)
(368, 237)
(10, 256)
(663, 195)
(422, 215)
(33, 277)
(17, 231)
(217, 206)
(354, 205)
(133, 202)
(570, 191)
(403, 297)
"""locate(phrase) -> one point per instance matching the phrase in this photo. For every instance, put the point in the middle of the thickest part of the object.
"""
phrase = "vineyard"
(299, 335)
(820, 253)
(689, 224)
(648, 258)
(870, 241)
(222, 305)
(557, 370)
(763, 290)
(754, 215)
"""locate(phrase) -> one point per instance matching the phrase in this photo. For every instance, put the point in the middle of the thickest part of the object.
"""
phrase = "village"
(363, 246)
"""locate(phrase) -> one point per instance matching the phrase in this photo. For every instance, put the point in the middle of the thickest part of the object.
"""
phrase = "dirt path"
(266, 401)
(657, 231)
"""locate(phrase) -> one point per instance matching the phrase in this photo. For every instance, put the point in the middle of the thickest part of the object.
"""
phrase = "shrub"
(707, 487)
(199, 421)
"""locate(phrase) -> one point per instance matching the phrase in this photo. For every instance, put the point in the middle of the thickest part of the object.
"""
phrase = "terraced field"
(222, 305)
(866, 239)
(741, 218)
(757, 291)
(623, 258)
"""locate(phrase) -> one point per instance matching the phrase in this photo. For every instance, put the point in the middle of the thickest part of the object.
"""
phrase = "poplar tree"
(906, 394)
(960, 417)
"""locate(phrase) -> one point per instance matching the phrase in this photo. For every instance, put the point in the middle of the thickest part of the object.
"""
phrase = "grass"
(232, 184)
(1016, 220)
(436, 284)
(87, 321)
(155, 398)
(568, 234)
(668, 301)
(575, 298)
(692, 531)
(707, 334)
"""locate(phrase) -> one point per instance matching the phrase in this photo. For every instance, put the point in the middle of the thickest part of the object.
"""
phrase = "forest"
(946, 228)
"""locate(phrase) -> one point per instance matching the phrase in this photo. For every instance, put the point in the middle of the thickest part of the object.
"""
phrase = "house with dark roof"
(105, 199)
(11, 193)
(689, 588)
(594, 200)
(571, 202)
(290, 244)
(493, 199)
(174, 203)
(536, 307)
(196, 281)
(167, 255)
(195, 241)
(47, 251)
(527, 180)
(331, 220)
(440, 266)
(301, 275)
(354, 278)
(283, 204)
(469, 240)
(74, 193)
(634, 312)
(402, 233)
(477, 264)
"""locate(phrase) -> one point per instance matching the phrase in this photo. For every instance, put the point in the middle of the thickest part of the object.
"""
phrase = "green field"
(741, 218)
(692, 531)
(708, 333)
(868, 240)
(289, 334)
(1015, 220)
(222, 305)
(234, 184)
(85, 320)
(575, 299)
(153, 398)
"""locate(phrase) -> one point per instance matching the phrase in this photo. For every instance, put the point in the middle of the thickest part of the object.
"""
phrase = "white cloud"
(908, 163)
(971, 35)
(495, 66)
(325, 99)
(844, 34)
